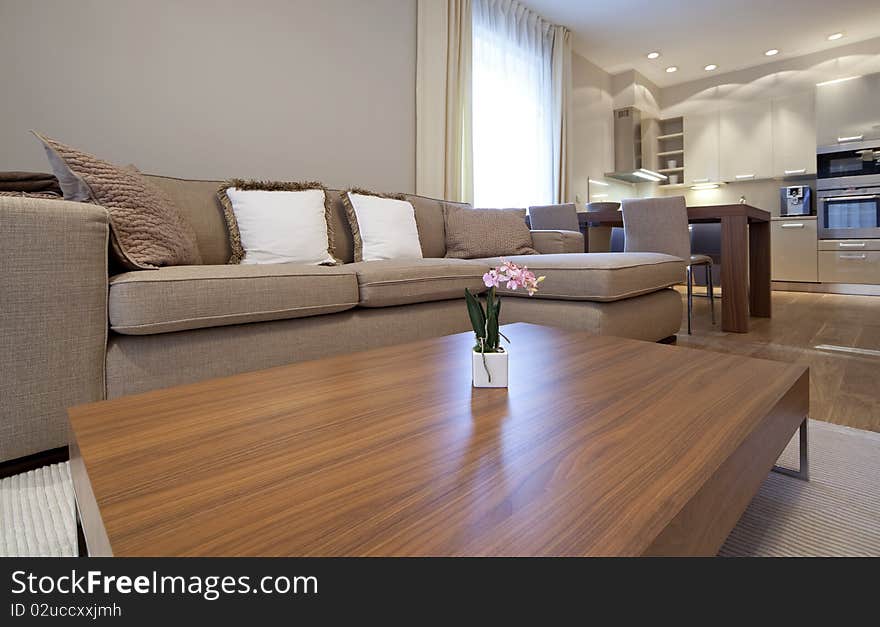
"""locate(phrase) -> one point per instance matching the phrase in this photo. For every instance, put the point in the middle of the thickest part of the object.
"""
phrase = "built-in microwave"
(848, 190)
(847, 162)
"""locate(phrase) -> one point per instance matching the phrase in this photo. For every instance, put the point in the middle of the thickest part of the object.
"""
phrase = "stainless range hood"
(628, 165)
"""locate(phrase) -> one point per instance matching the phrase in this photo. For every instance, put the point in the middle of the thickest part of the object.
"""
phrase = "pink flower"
(491, 278)
(512, 277)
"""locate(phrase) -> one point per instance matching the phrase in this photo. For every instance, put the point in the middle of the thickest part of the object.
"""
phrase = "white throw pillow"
(387, 228)
(281, 226)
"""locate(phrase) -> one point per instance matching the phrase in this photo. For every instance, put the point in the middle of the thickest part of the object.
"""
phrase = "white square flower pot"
(496, 364)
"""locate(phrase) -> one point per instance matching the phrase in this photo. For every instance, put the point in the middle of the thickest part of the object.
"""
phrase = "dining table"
(745, 256)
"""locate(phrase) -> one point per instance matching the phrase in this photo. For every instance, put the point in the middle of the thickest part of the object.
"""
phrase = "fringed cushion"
(383, 226)
(278, 222)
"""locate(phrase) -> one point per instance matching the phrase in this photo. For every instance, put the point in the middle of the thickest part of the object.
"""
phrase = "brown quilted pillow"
(147, 230)
(480, 233)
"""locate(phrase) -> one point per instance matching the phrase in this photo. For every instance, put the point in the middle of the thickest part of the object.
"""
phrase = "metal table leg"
(81, 549)
(803, 471)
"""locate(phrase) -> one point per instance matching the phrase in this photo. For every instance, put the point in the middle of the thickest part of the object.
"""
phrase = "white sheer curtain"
(514, 107)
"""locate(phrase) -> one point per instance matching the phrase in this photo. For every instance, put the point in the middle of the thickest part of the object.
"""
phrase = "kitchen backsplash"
(761, 194)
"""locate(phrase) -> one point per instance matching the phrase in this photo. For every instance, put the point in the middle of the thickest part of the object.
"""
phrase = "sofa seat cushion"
(193, 297)
(387, 283)
(601, 277)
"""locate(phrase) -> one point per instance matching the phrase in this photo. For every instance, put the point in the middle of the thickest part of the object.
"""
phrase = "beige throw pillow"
(481, 233)
(147, 229)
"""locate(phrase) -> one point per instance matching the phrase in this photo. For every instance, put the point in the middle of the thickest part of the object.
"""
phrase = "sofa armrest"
(552, 242)
(53, 323)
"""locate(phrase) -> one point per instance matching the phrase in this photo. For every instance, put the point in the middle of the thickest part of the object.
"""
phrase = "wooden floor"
(844, 387)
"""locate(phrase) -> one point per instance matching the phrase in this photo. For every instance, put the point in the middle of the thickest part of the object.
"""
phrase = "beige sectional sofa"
(74, 330)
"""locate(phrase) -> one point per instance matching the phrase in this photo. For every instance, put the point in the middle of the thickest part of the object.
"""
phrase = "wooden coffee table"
(600, 446)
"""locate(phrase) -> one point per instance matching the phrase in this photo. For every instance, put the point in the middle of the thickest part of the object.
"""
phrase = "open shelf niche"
(670, 151)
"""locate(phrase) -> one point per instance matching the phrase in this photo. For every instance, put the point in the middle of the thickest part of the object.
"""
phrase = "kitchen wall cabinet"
(745, 134)
(848, 109)
(794, 134)
(793, 249)
(702, 148)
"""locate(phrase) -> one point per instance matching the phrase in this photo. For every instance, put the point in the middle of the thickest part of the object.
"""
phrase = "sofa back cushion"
(198, 202)
(432, 225)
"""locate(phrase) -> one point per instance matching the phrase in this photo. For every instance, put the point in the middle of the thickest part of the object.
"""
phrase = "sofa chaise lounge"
(74, 330)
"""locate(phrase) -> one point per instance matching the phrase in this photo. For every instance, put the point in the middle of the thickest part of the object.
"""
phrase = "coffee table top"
(595, 447)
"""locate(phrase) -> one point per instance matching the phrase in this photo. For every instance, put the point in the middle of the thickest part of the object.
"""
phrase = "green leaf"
(476, 314)
(498, 320)
(491, 321)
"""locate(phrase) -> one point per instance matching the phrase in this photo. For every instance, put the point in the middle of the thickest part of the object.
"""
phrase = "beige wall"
(761, 194)
(593, 134)
(288, 89)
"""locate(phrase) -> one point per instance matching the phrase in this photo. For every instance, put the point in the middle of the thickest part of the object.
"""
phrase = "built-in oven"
(849, 213)
(848, 190)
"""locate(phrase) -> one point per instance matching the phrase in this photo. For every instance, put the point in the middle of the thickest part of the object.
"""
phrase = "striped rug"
(836, 513)
(37, 513)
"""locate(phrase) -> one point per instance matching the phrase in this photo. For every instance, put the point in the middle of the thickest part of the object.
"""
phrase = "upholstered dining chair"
(554, 217)
(660, 225)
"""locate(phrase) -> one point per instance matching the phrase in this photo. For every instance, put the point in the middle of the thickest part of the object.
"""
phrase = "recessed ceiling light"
(835, 36)
(654, 55)
(710, 67)
(771, 52)
(672, 69)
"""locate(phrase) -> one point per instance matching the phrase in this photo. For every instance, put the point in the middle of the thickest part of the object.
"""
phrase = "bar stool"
(660, 225)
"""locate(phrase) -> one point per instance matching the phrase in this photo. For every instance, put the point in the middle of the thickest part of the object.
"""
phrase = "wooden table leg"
(759, 269)
(735, 274)
(598, 239)
(585, 231)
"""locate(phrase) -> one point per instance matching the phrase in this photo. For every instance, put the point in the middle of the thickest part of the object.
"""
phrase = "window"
(512, 106)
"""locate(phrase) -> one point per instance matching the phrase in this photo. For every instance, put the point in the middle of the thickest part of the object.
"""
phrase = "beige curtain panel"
(562, 114)
(444, 148)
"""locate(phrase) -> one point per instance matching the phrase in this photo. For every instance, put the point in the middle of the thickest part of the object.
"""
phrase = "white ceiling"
(617, 35)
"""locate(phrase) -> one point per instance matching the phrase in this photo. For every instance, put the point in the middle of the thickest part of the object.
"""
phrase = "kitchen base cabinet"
(849, 267)
(793, 249)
